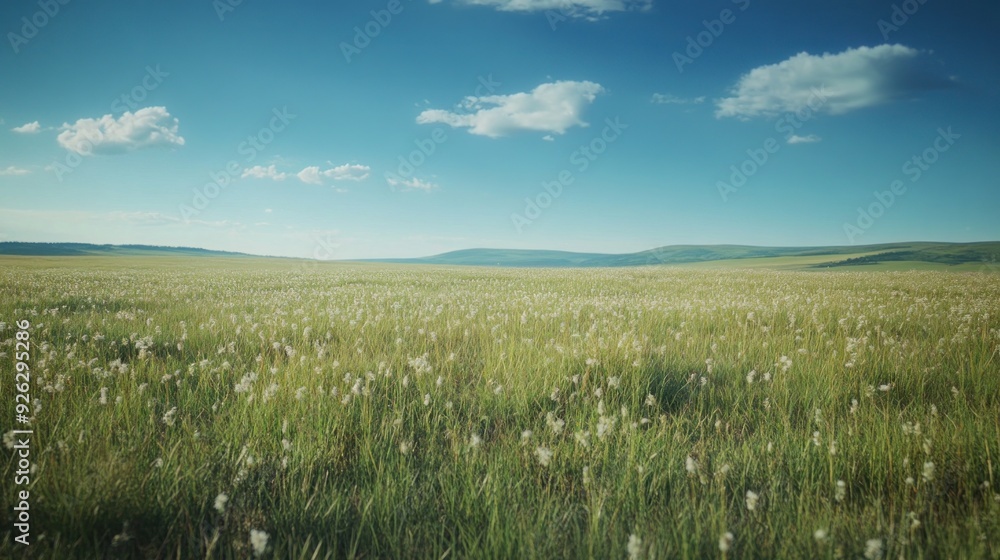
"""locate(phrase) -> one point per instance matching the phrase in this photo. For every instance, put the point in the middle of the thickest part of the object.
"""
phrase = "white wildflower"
(841, 491)
(554, 424)
(258, 540)
(726, 541)
(634, 547)
(544, 455)
(928, 472)
(220, 502)
(168, 418)
(873, 549)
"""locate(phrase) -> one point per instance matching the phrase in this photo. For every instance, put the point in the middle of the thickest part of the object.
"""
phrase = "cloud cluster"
(313, 175)
(346, 172)
(589, 9)
(850, 80)
(261, 172)
(146, 128)
(550, 108)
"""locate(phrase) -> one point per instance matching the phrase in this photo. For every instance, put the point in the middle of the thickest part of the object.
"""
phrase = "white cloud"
(147, 127)
(29, 128)
(589, 9)
(11, 170)
(261, 172)
(850, 80)
(808, 139)
(347, 172)
(668, 99)
(412, 184)
(550, 108)
(312, 174)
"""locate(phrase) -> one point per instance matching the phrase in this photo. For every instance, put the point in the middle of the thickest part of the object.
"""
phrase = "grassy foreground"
(228, 409)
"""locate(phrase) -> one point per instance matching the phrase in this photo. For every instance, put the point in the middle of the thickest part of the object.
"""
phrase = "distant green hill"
(887, 256)
(945, 254)
(84, 249)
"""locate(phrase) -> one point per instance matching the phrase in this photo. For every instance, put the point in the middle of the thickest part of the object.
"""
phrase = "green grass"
(300, 393)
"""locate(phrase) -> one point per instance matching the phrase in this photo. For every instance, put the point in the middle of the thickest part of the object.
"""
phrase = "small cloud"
(587, 9)
(268, 211)
(11, 170)
(551, 108)
(261, 172)
(312, 175)
(29, 128)
(808, 139)
(146, 128)
(548, 138)
(347, 172)
(668, 99)
(412, 184)
(846, 81)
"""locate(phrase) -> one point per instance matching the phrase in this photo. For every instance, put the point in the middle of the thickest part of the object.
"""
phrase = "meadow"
(237, 408)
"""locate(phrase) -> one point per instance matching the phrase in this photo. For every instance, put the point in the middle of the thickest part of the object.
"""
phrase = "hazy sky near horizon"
(398, 128)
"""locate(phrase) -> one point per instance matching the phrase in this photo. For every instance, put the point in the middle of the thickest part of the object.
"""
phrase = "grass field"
(232, 408)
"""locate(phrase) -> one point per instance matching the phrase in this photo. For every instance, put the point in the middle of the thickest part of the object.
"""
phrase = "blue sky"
(412, 127)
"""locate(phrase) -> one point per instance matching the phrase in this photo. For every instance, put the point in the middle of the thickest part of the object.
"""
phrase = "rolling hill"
(888, 256)
(88, 249)
(870, 256)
